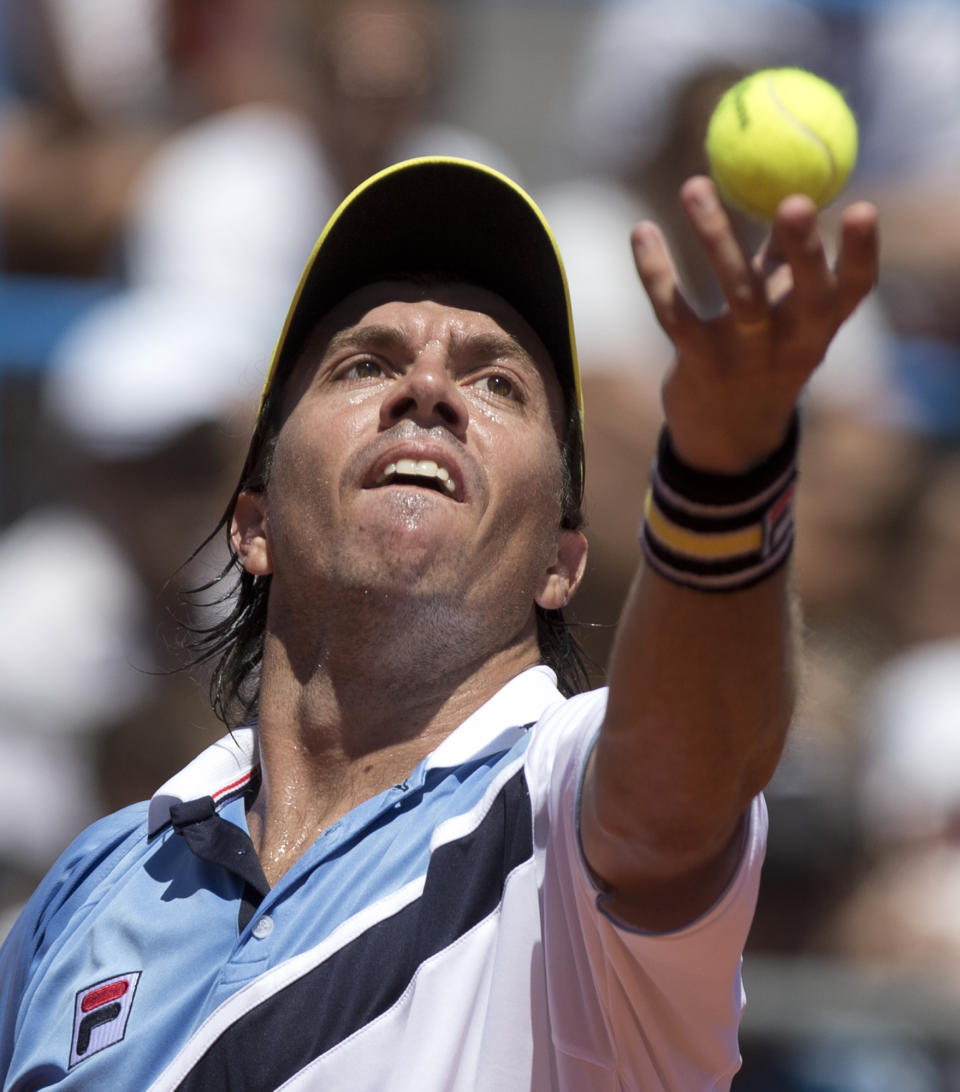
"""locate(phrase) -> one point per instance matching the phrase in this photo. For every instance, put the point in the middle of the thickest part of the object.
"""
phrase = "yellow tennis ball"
(777, 132)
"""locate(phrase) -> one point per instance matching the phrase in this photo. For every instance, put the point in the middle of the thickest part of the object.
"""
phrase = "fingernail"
(642, 237)
(704, 199)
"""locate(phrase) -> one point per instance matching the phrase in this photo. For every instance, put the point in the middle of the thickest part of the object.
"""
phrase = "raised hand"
(737, 375)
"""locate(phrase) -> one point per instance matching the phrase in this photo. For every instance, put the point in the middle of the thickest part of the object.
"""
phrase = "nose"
(426, 393)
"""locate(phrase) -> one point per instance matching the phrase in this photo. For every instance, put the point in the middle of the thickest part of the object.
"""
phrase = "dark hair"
(235, 641)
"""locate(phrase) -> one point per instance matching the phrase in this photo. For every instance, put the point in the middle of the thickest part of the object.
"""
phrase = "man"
(422, 867)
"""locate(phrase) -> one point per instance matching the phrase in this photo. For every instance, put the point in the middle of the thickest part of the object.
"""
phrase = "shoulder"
(557, 751)
(566, 730)
(81, 869)
(77, 880)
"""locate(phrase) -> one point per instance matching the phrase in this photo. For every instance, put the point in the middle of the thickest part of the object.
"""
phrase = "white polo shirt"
(444, 936)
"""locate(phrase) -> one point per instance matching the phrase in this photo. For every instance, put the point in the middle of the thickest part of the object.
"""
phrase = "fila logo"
(100, 1015)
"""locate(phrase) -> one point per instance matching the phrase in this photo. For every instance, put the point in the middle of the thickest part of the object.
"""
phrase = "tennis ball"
(777, 132)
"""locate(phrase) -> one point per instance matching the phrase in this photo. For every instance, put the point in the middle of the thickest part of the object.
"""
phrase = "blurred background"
(165, 166)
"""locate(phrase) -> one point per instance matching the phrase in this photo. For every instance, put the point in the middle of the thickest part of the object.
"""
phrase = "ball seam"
(802, 126)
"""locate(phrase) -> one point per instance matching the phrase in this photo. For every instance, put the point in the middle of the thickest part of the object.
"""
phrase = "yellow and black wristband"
(720, 532)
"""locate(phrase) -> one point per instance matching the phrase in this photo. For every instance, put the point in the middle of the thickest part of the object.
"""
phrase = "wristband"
(720, 532)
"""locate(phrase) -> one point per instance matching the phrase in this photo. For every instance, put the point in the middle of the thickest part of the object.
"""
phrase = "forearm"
(701, 686)
(701, 695)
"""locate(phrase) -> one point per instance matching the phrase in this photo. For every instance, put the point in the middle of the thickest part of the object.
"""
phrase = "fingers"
(659, 277)
(792, 263)
(858, 260)
(742, 287)
(797, 244)
(795, 261)
(816, 287)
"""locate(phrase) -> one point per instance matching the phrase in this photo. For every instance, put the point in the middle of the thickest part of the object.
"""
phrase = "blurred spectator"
(70, 603)
(82, 108)
(899, 63)
(381, 67)
(77, 123)
(900, 916)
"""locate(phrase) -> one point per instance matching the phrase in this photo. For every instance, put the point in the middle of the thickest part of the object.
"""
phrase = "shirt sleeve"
(652, 1011)
(71, 883)
(12, 974)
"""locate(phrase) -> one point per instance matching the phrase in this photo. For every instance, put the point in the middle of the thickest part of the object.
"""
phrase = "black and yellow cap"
(456, 217)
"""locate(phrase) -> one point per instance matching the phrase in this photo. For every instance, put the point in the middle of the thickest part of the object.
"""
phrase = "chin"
(420, 534)
(397, 561)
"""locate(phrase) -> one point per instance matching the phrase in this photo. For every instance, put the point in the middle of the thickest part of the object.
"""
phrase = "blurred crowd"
(165, 166)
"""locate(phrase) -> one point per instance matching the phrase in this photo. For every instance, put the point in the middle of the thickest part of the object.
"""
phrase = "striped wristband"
(719, 532)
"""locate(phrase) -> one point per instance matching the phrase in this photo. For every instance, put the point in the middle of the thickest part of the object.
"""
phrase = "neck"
(347, 712)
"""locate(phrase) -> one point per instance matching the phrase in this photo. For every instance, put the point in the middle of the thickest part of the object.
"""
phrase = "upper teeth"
(421, 468)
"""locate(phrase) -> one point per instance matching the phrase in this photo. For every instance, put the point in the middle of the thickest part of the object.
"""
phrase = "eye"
(499, 385)
(365, 368)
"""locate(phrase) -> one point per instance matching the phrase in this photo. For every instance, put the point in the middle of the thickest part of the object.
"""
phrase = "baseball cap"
(450, 216)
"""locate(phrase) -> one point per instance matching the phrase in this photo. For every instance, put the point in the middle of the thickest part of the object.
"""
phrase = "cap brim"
(444, 215)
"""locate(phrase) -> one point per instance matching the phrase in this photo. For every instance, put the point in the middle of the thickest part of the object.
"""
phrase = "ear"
(248, 533)
(563, 577)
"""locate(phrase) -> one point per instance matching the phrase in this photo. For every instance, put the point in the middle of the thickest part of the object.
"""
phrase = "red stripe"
(233, 785)
(110, 992)
(780, 507)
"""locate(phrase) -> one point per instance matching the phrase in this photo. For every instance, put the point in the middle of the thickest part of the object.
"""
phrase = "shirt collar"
(500, 721)
(225, 768)
(221, 771)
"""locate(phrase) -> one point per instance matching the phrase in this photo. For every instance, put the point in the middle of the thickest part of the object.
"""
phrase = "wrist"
(720, 531)
(702, 450)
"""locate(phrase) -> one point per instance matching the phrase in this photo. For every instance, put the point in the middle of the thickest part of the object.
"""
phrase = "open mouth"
(420, 472)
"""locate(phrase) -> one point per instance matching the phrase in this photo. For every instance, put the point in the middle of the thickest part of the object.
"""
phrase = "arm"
(701, 683)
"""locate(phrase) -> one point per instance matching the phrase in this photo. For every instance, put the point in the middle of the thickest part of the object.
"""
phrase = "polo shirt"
(443, 936)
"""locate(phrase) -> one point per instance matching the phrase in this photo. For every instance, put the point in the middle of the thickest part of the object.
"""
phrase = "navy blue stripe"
(707, 524)
(698, 574)
(723, 489)
(464, 884)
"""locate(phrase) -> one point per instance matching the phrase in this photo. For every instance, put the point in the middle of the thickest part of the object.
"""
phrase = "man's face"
(420, 456)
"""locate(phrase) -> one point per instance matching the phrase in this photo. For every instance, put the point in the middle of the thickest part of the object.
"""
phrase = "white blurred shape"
(112, 53)
(911, 780)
